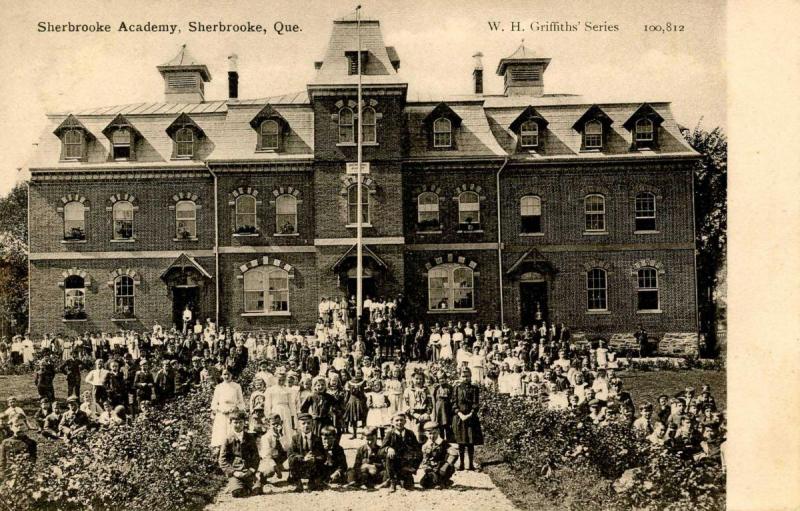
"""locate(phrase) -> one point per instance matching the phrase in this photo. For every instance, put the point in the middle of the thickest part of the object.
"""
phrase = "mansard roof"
(268, 112)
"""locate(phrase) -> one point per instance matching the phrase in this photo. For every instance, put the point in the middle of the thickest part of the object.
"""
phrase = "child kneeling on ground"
(272, 452)
(334, 466)
(438, 459)
(238, 458)
(368, 467)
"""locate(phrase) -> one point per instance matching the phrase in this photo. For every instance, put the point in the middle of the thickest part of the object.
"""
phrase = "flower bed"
(670, 363)
(160, 463)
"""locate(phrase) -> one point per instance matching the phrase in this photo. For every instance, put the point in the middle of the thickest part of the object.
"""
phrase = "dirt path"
(470, 491)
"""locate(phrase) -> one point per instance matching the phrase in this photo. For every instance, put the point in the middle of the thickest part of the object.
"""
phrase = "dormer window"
(73, 144)
(442, 133)
(122, 137)
(185, 134)
(529, 126)
(184, 143)
(270, 133)
(593, 135)
(352, 61)
(643, 125)
(644, 130)
(121, 144)
(74, 137)
(529, 134)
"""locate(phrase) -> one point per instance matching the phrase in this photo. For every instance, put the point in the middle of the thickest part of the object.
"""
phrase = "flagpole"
(359, 229)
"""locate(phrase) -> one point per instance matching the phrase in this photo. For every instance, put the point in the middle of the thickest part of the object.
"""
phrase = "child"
(320, 405)
(394, 390)
(443, 406)
(368, 468)
(356, 408)
(402, 455)
(51, 422)
(418, 403)
(238, 458)
(334, 465)
(306, 455)
(378, 405)
(272, 452)
(438, 459)
(466, 426)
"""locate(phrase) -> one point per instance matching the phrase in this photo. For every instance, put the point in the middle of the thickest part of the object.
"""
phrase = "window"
(184, 143)
(286, 214)
(530, 208)
(73, 144)
(647, 292)
(595, 211)
(266, 290)
(352, 205)
(529, 134)
(269, 132)
(121, 142)
(428, 212)
(368, 125)
(442, 133)
(644, 130)
(346, 126)
(450, 288)
(123, 296)
(645, 212)
(596, 289)
(74, 221)
(352, 61)
(246, 215)
(469, 211)
(186, 220)
(74, 297)
(593, 135)
(122, 211)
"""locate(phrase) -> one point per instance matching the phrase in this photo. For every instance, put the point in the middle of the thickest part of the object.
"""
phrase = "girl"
(378, 403)
(417, 402)
(466, 426)
(304, 392)
(278, 401)
(443, 406)
(227, 398)
(356, 407)
(394, 391)
(257, 397)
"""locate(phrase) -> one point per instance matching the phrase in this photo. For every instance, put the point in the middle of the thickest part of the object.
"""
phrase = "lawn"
(21, 386)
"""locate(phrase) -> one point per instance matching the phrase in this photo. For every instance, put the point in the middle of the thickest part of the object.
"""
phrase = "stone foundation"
(678, 343)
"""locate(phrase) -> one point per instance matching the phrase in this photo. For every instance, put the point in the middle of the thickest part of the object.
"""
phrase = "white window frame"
(369, 133)
(75, 295)
(352, 205)
(433, 207)
(184, 146)
(601, 291)
(192, 219)
(238, 215)
(115, 209)
(649, 279)
(73, 139)
(640, 213)
(283, 200)
(590, 214)
(347, 128)
(530, 210)
(74, 207)
(593, 138)
(529, 133)
(466, 208)
(265, 292)
(646, 135)
(442, 129)
(118, 308)
(116, 142)
(269, 135)
(448, 270)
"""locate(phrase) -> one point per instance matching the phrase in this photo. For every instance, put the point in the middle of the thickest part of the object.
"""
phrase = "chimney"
(184, 78)
(233, 76)
(477, 74)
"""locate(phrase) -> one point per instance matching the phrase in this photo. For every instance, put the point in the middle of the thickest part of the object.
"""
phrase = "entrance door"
(367, 286)
(533, 302)
(181, 297)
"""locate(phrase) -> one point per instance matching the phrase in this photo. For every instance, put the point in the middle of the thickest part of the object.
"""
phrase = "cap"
(238, 415)
(304, 417)
(399, 414)
(275, 417)
(430, 425)
(594, 402)
(44, 400)
(73, 399)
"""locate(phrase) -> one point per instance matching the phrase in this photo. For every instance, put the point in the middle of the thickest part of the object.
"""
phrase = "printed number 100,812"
(669, 27)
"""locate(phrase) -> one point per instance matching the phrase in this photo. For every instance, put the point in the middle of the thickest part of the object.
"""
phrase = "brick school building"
(514, 207)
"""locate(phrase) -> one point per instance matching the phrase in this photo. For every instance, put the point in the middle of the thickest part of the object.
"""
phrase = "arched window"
(184, 143)
(74, 297)
(596, 289)
(644, 130)
(352, 205)
(442, 132)
(121, 142)
(469, 211)
(529, 134)
(246, 215)
(185, 220)
(593, 135)
(530, 210)
(595, 212)
(74, 221)
(368, 132)
(645, 212)
(286, 214)
(269, 131)
(73, 144)
(346, 126)
(647, 292)
(266, 290)
(428, 211)
(450, 288)
(122, 211)
(124, 296)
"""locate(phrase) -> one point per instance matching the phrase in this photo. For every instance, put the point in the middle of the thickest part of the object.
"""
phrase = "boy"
(320, 405)
(306, 455)
(642, 425)
(74, 419)
(18, 444)
(438, 459)
(238, 458)
(51, 422)
(334, 466)
(368, 468)
(272, 452)
(402, 454)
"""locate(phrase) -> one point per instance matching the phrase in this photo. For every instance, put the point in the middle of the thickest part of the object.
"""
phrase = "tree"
(711, 222)
(14, 258)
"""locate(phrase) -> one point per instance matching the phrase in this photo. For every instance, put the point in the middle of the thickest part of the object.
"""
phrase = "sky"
(59, 72)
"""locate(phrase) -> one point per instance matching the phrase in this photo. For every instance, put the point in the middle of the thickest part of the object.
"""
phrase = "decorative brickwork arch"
(638, 188)
(72, 197)
(243, 190)
(119, 272)
(419, 190)
(596, 263)
(181, 196)
(647, 263)
(352, 104)
(451, 258)
(348, 181)
(265, 261)
(285, 190)
(117, 197)
(72, 272)
(470, 187)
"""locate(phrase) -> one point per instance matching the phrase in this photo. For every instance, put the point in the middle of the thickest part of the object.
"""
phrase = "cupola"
(184, 78)
(523, 73)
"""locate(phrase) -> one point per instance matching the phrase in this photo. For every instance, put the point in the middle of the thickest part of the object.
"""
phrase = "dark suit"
(322, 408)
(72, 368)
(117, 389)
(435, 464)
(368, 467)
(335, 460)
(164, 385)
(143, 383)
(299, 467)
(239, 455)
(408, 455)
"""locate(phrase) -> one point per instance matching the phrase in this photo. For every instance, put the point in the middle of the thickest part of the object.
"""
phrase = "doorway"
(181, 297)
(533, 299)
(368, 287)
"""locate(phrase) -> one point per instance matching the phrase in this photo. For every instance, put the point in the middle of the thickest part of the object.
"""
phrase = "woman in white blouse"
(227, 398)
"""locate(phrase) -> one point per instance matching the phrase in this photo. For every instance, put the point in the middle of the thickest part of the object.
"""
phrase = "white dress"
(27, 351)
(378, 409)
(446, 349)
(227, 398)
(280, 400)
